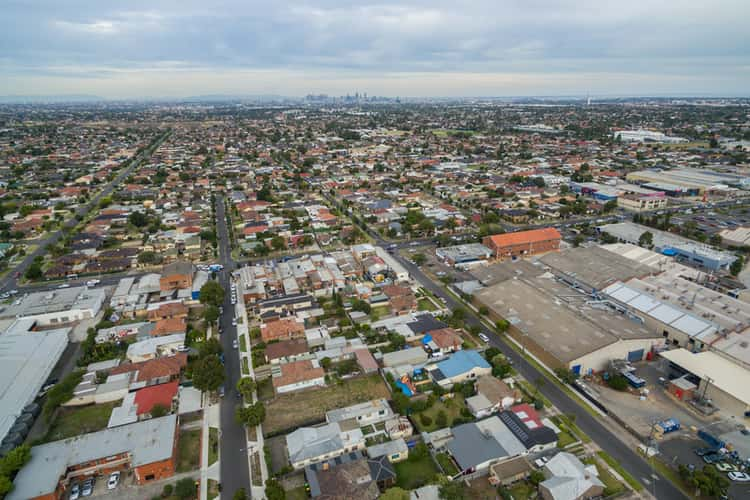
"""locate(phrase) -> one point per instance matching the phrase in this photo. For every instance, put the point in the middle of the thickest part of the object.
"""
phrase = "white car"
(740, 477)
(114, 480)
(91, 283)
(484, 337)
(64, 285)
(75, 491)
(234, 343)
(234, 322)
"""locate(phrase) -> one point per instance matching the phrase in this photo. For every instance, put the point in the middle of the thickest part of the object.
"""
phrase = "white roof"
(724, 374)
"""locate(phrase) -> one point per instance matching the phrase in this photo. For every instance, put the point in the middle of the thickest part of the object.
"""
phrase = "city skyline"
(410, 49)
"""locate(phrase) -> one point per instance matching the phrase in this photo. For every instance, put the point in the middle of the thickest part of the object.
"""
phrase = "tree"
(212, 293)
(208, 373)
(185, 488)
(646, 239)
(609, 206)
(617, 382)
(34, 272)
(6, 486)
(716, 240)
(159, 410)
(578, 240)
(452, 490)
(419, 259)
(246, 386)
(395, 493)
(138, 219)
(240, 494)
(274, 491)
(502, 325)
(567, 376)
(325, 363)
(149, 257)
(441, 419)
(251, 415)
(483, 310)
(167, 490)
(211, 313)
(736, 267)
(278, 243)
(536, 477)
(14, 460)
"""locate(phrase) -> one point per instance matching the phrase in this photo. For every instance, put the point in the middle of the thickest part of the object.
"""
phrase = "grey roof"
(388, 448)
(26, 360)
(310, 442)
(147, 442)
(59, 300)
(471, 447)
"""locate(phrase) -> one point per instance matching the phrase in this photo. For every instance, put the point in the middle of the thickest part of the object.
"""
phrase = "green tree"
(159, 410)
(278, 243)
(208, 373)
(149, 257)
(419, 258)
(212, 293)
(34, 271)
(14, 460)
(240, 494)
(251, 415)
(617, 382)
(138, 219)
(452, 490)
(502, 325)
(211, 313)
(395, 493)
(646, 239)
(536, 477)
(274, 490)
(716, 240)
(325, 363)
(736, 267)
(6, 486)
(246, 386)
(441, 419)
(185, 488)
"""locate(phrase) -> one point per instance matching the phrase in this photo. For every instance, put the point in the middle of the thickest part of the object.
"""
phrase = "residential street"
(234, 460)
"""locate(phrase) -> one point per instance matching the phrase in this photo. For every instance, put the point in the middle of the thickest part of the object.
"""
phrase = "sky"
(410, 48)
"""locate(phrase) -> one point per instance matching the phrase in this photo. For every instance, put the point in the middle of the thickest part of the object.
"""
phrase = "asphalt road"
(11, 281)
(234, 457)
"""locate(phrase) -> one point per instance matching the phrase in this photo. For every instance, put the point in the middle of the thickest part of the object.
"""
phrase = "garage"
(636, 355)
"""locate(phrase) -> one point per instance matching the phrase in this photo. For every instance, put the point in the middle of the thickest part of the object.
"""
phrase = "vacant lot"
(71, 422)
(415, 471)
(189, 450)
(288, 411)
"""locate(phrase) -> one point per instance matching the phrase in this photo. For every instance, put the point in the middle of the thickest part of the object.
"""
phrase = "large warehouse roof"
(724, 374)
(26, 361)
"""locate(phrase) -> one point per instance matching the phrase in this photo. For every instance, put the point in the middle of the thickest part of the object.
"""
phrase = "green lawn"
(265, 389)
(452, 408)
(425, 304)
(245, 368)
(379, 312)
(297, 494)
(447, 464)
(415, 472)
(189, 450)
(611, 485)
(522, 490)
(71, 422)
(213, 445)
(243, 344)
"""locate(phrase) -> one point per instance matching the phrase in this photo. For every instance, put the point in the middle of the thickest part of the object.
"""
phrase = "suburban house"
(309, 445)
(282, 329)
(363, 414)
(146, 448)
(459, 367)
(442, 341)
(493, 395)
(350, 476)
(298, 375)
(569, 479)
(287, 351)
(177, 276)
(394, 451)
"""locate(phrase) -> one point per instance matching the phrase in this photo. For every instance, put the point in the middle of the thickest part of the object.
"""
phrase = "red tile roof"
(523, 237)
(162, 394)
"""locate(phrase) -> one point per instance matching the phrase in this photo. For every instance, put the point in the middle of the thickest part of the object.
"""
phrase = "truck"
(215, 268)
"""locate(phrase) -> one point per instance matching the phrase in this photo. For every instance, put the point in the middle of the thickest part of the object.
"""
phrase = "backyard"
(291, 410)
(417, 470)
(451, 407)
(71, 422)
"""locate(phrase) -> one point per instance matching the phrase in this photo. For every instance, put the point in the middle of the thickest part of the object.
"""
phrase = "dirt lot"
(289, 411)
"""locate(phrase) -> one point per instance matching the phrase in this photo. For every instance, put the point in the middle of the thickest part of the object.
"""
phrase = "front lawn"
(425, 304)
(213, 445)
(189, 450)
(243, 344)
(74, 421)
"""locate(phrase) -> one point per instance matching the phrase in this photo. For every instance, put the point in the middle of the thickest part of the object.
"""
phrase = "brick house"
(523, 243)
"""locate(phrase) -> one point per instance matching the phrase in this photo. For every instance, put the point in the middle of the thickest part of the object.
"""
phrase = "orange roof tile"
(523, 237)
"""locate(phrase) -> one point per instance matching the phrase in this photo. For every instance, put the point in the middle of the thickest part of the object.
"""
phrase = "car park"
(114, 480)
(75, 491)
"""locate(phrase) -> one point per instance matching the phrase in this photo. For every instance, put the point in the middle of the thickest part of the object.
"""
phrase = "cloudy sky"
(135, 48)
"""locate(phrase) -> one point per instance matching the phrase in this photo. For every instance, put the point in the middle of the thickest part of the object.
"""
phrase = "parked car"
(725, 467)
(114, 480)
(484, 337)
(704, 451)
(88, 487)
(234, 343)
(75, 491)
(740, 477)
(234, 322)
(713, 458)
(64, 285)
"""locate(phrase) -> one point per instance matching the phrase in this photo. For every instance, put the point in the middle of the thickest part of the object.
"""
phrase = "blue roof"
(461, 362)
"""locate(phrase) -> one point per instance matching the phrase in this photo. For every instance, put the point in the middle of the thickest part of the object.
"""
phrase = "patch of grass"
(265, 389)
(425, 304)
(213, 445)
(71, 422)
(671, 475)
(287, 411)
(243, 344)
(415, 471)
(611, 485)
(522, 489)
(447, 464)
(297, 494)
(633, 482)
(213, 489)
(570, 433)
(245, 367)
(189, 450)
(452, 408)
